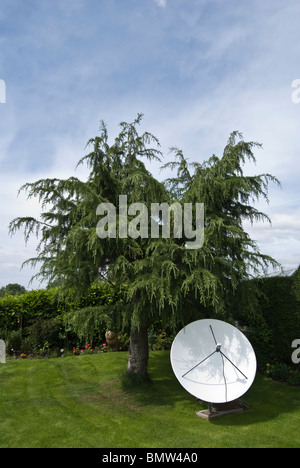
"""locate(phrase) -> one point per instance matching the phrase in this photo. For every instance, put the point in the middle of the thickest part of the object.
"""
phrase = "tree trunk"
(138, 353)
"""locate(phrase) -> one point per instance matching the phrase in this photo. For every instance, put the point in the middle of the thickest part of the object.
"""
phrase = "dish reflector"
(213, 361)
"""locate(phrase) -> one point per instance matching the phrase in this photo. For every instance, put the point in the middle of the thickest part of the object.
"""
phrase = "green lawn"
(78, 401)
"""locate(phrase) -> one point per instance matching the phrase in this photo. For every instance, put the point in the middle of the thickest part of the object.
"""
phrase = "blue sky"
(197, 69)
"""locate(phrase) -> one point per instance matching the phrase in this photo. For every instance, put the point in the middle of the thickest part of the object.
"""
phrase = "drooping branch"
(29, 224)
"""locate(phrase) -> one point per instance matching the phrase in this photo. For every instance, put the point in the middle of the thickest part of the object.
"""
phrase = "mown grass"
(79, 401)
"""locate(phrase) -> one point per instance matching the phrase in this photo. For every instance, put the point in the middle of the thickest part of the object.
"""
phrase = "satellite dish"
(213, 361)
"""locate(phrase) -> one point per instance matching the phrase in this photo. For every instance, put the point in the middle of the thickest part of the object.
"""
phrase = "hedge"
(273, 321)
(36, 318)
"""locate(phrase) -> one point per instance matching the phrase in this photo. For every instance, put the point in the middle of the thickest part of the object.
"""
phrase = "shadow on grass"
(266, 399)
(160, 388)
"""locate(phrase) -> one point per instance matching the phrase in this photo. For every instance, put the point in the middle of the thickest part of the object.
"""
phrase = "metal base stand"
(216, 410)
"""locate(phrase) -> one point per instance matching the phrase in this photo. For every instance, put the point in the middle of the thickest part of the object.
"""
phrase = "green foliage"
(279, 371)
(294, 377)
(273, 317)
(28, 321)
(261, 337)
(160, 340)
(280, 308)
(44, 331)
(14, 341)
(283, 373)
(20, 312)
(123, 341)
(95, 312)
(12, 289)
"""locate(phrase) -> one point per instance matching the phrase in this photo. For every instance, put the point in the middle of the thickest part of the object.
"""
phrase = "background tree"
(161, 278)
(12, 289)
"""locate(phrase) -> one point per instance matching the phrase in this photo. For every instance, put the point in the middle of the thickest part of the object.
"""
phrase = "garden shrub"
(123, 341)
(279, 371)
(14, 341)
(294, 377)
(272, 319)
(261, 338)
(160, 340)
(44, 331)
(37, 317)
(280, 307)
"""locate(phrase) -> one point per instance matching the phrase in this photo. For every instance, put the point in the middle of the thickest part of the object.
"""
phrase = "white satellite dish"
(213, 361)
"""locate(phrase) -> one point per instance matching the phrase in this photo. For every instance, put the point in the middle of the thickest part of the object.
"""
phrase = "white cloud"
(281, 239)
(161, 3)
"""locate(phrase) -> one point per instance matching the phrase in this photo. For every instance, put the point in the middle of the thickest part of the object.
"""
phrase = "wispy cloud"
(197, 74)
(161, 3)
